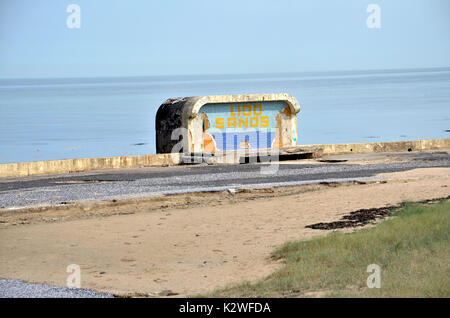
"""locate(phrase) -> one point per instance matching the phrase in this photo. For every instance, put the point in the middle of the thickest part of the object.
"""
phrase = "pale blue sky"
(168, 37)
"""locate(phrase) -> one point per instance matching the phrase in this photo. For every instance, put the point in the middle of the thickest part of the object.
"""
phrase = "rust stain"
(205, 122)
(277, 141)
(285, 114)
(287, 111)
(209, 143)
(192, 140)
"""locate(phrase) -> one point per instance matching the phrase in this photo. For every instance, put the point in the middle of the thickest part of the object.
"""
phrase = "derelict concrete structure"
(226, 122)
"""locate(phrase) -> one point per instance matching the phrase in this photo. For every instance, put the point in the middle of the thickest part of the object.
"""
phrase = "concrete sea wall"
(158, 160)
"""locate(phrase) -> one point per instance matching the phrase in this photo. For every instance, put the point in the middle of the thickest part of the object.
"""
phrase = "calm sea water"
(45, 119)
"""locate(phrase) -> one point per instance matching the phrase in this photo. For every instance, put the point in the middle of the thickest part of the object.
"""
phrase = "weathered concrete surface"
(396, 146)
(86, 164)
(253, 155)
(158, 160)
(178, 120)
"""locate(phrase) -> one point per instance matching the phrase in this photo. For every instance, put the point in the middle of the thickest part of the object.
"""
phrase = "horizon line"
(404, 69)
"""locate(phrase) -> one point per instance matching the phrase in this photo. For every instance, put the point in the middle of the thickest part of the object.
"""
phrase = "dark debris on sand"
(364, 216)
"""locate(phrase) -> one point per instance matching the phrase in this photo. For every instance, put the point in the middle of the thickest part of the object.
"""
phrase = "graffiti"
(217, 124)
(242, 126)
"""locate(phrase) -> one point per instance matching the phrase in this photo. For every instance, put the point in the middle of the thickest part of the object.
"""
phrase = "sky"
(187, 37)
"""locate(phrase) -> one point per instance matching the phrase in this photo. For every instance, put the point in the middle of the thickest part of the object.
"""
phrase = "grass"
(412, 250)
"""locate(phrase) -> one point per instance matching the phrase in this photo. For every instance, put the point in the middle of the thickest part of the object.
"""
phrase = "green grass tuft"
(412, 249)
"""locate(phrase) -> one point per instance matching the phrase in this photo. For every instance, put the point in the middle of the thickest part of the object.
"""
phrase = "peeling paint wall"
(229, 122)
(236, 126)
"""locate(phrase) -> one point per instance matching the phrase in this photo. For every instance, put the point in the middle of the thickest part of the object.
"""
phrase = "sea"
(62, 118)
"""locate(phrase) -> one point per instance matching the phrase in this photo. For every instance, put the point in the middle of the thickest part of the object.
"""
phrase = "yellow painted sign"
(244, 116)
